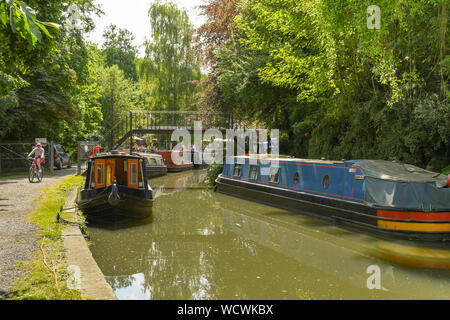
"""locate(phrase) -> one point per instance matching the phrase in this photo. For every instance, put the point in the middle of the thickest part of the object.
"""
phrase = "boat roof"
(113, 155)
(379, 169)
(399, 172)
(145, 154)
(289, 159)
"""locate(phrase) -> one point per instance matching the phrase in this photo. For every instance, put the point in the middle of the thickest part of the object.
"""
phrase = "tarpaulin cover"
(391, 184)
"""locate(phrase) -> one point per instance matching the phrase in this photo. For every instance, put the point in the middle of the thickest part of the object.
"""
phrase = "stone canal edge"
(87, 276)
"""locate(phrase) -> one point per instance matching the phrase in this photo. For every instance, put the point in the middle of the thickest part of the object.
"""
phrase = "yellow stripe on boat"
(418, 257)
(428, 253)
(414, 226)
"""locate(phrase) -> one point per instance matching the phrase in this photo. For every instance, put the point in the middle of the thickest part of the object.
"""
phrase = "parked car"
(62, 158)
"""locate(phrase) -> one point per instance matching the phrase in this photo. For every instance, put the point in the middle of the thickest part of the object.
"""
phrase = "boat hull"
(156, 171)
(351, 214)
(201, 166)
(179, 168)
(173, 167)
(132, 204)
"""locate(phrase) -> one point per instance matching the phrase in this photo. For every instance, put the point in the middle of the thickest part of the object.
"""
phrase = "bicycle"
(34, 171)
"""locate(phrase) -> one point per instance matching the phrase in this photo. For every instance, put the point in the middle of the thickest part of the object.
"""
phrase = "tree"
(218, 28)
(170, 62)
(119, 96)
(47, 62)
(336, 88)
(119, 50)
(215, 33)
(22, 38)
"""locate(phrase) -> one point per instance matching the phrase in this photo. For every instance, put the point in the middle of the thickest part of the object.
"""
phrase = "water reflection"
(418, 256)
(116, 222)
(174, 182)
(205, 245)
(335, 252)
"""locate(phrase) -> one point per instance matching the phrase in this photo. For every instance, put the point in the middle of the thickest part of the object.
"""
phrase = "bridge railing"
(162, 120)
(165, 121)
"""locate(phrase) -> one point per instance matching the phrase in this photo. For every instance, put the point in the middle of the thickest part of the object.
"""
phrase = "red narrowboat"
(171, 157)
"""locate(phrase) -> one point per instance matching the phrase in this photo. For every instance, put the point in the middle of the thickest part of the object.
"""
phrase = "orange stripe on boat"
(411, 215)
(414, 226)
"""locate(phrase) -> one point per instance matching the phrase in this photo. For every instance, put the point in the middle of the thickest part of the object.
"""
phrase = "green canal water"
(199, 244)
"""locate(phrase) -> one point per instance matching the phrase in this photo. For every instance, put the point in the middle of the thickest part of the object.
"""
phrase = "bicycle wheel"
(31, 175)
(39, 174)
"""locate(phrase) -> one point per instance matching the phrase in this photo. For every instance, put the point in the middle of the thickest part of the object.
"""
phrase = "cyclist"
(38, 154)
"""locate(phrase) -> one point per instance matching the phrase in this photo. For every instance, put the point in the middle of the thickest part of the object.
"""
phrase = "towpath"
(18, 235)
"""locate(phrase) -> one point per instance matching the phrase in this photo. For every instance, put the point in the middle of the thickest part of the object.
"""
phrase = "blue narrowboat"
(389, 198)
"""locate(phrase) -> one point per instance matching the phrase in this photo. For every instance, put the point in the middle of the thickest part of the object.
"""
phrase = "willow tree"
(170, 64)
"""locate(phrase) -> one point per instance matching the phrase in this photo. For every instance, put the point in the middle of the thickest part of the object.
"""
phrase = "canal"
(199, 244)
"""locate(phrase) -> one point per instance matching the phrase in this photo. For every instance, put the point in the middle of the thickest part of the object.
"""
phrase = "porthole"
(296, 177)
(237, 170)
(253, 173)
(326, 182)
(274, 174)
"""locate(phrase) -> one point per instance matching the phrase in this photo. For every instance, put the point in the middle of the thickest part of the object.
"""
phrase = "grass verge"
(47, 274)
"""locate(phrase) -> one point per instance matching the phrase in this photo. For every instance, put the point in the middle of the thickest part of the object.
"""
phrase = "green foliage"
(334, 87)
(119, 95)
(119, 50)
(22, 20)
(213, 172)
(23, 41)
(170, 65)
(45, 80)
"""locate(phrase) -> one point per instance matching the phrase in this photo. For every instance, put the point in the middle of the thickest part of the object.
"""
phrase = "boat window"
(109, 174)
(133, 173)
(296, 177)
(100, 173)
(141, 176)
(237, 170)
(253, 174)
(326, 182)
(152, 161)
(274, 174)
(92, 177)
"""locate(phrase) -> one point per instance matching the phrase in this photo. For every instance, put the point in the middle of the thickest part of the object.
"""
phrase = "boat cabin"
(152, 159)
(116, 185)
(335, 179)
(183, 155)
(126, 169)
(154, 164)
